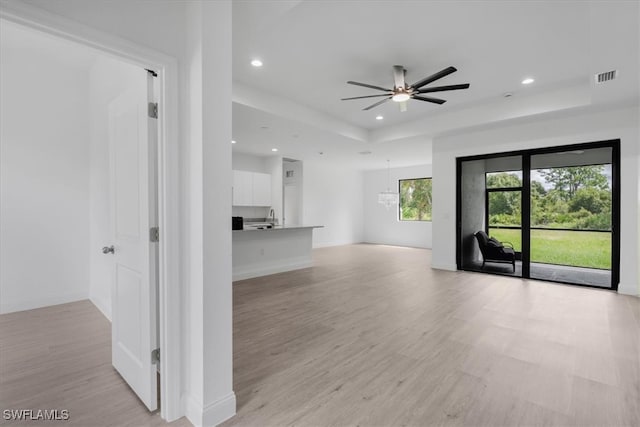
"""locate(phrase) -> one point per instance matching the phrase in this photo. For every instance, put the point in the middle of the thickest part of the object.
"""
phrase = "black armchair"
(495, 251)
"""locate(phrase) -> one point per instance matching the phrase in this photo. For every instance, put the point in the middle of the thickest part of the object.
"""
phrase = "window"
(415, 199)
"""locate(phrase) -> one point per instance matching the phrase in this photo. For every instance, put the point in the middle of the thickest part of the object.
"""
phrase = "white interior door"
(291, 205)
(132, 139)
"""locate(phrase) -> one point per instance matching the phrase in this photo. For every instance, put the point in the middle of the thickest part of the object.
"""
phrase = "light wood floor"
(59, 357)
(371, 336)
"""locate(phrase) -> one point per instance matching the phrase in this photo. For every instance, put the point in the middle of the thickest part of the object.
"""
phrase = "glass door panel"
(571, 216)
(505, 217)
(491, 206)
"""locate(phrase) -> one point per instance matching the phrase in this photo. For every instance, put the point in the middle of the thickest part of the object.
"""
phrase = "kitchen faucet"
(272, 217)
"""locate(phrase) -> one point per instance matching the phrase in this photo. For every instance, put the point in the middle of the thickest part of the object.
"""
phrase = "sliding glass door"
(558, 208)
(572, 216)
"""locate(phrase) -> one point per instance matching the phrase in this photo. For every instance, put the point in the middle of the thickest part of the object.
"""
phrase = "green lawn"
(576, 248)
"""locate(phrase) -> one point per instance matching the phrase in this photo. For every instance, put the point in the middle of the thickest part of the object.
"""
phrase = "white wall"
(614, 124)
(332, 197)
(249, 162)
(44, 181)
(108, 78)
(382, 225)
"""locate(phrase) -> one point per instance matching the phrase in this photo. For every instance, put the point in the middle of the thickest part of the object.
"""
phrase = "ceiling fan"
(402, 92)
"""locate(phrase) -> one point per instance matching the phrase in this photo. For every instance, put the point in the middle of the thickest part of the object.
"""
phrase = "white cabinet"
(242, 188)
(261, 189)
(251, 188)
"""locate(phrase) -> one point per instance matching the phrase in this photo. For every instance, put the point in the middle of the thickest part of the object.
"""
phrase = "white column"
(209, 393)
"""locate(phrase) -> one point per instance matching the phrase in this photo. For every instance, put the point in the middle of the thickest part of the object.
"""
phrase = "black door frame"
(614, 144)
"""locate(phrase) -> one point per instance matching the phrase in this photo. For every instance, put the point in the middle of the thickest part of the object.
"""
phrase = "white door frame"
(168, 176)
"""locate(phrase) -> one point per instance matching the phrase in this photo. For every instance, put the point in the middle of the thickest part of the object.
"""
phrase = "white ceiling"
(311, 48)
(257, 132)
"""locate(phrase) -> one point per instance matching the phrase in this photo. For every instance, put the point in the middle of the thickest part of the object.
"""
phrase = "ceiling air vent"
(606, 76)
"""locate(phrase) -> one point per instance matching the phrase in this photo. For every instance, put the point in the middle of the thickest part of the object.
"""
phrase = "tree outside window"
(415, 199)
(573, 197)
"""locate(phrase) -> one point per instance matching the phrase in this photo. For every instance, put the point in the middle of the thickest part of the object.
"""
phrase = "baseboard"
(101, 305)
(335, 243)
(396, 244)
(632, 290)
(213, 414)
(33, 303)
(264, 270)
(220, 411)
(192, 410)
(447, 267)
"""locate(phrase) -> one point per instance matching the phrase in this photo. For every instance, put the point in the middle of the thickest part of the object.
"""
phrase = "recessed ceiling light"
(379, 117)
(256, 63)
(274, 149)
(233, 141)
(528, 81)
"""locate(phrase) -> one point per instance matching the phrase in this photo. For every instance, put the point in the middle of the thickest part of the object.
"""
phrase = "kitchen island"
(259, 252)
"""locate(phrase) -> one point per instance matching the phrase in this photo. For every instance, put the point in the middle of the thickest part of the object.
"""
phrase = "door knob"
(108, 249)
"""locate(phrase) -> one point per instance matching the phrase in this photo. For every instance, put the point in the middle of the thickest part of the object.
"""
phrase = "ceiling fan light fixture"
(401, 92)
(400, 97)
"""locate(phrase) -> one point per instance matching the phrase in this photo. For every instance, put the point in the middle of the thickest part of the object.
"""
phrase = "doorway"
(557, 207)
(156, 163)
(291, 191)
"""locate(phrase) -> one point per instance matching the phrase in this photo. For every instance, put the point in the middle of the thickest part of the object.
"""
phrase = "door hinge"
(153, 110)
(155, 356)
(154, 234)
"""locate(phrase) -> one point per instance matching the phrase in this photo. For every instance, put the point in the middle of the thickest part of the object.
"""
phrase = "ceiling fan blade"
(434, 77)
(429, 99)
(368, 96)
(398, 76)
(376, 104)
(403, 106)
(369, 86)
(443, 88)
